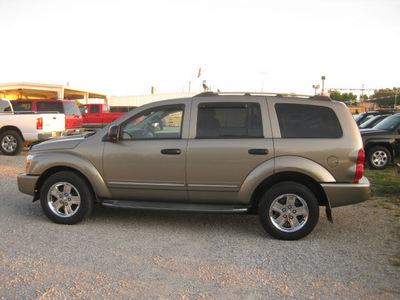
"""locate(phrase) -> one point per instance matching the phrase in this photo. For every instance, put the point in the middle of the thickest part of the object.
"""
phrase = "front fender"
(43, 162)
(279, 165)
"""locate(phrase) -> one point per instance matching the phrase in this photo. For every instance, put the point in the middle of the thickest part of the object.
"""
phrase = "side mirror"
(113, 133)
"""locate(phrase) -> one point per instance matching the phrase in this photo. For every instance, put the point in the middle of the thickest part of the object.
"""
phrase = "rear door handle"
(258, 151)
(171, 151)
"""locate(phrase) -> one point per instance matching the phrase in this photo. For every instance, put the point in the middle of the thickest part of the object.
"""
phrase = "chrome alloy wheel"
(379, 158)
(9, 143)
(289, 212)
(63, 199)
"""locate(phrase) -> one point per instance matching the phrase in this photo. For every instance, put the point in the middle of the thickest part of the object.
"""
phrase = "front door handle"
(171, 151)
(258, 151)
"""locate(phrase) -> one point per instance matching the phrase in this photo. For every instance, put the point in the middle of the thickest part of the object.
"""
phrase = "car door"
(229, 138)
(148, 160)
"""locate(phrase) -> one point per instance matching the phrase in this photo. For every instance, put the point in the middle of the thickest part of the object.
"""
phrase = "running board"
(188, 207)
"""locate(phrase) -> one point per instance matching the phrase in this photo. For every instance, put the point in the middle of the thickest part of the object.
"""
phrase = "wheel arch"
(16, 129)
(303, 179)
(50, 165)
(49, 172)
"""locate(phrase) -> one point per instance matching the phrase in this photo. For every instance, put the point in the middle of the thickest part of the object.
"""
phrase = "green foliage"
(389, 102)
(345, 97)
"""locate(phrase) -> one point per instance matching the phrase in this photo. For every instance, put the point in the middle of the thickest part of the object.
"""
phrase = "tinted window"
(71, 109)
(158, 123)
(106, 109)
(307, 121)
(94, 109)
(389, 123)
(84, 109)
(4, 106)
(21, 106)
(54, 106)
(229, 120)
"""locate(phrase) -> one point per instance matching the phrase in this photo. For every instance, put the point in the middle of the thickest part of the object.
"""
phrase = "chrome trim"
(212, 185)
(147, 184)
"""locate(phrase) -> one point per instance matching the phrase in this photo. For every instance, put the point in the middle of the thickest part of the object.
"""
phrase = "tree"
(386, 102)
(346, 97)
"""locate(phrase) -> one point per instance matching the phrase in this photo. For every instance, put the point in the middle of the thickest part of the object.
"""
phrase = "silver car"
(276, 155)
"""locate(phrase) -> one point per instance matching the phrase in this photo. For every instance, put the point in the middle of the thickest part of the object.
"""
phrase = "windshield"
(389, 123)
(372, 122)
(359, 117)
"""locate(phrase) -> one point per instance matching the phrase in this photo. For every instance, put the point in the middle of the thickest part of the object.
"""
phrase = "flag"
(198, 75)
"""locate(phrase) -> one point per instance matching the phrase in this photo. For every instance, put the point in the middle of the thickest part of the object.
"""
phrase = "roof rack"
(316, 97)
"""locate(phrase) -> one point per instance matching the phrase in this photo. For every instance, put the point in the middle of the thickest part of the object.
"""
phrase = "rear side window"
(71, 109)
(4, 106)
(53, 106)
(21, 106)
(94, 109)
(307, 121)
(229, 120)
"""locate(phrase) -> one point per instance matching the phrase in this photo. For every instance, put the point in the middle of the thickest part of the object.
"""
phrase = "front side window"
(157, 123)
(229, 120)
(307, 121)
(84, 109)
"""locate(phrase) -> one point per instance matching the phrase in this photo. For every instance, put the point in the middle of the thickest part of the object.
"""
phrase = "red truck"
(73, 118)
(98, 115)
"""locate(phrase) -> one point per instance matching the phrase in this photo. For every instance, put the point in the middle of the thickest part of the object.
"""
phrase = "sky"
(124, 47)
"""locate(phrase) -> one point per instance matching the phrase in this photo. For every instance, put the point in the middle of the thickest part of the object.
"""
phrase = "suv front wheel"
(288, 211)
(66, 198)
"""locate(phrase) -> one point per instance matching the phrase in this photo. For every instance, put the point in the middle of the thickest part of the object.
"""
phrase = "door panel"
(148, 161)
(229, 139)
(137, 169)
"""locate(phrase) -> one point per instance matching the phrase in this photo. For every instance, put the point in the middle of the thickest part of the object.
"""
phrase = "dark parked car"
(363, 117)
(373, 121)
(382, 143)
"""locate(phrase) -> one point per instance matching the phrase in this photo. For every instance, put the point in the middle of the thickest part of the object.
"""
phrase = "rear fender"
(292, 164)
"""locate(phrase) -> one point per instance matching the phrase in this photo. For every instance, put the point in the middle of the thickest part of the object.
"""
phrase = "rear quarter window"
(50, 106)
(307, 121)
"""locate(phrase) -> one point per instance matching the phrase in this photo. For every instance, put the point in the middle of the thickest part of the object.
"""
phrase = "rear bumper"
(27, 183)
(341, 194)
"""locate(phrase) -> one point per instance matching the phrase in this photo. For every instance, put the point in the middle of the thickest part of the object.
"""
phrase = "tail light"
(360, 165)
(39, 123)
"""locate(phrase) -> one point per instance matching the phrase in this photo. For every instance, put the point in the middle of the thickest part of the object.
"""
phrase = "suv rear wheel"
(66, 198)
(288, 211)
(11, 142)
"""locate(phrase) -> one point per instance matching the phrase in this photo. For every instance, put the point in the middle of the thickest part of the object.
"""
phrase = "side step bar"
(188, 207)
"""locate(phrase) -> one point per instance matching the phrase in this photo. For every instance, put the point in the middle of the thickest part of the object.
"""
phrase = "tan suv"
(276, 155)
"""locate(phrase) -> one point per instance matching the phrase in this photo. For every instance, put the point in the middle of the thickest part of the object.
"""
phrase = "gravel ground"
(120, 254)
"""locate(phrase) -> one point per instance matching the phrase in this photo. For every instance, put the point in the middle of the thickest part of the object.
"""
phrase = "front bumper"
(341, 194)
(27, 183)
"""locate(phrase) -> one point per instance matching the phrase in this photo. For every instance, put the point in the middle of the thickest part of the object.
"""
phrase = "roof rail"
(316, 97)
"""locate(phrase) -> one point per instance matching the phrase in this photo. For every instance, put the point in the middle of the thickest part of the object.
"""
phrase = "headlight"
(28, 163)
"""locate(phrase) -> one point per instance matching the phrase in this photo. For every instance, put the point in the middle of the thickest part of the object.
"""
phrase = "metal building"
(144, 99)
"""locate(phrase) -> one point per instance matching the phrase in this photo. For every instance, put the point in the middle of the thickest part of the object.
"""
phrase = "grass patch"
(385, 183)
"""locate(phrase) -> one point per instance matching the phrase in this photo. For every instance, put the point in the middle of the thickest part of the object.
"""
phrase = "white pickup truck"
(24, 128)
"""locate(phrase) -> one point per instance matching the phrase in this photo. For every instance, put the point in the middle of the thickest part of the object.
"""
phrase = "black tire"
(66, 198)
(11, 142)
(378, 158)
(288, 211)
